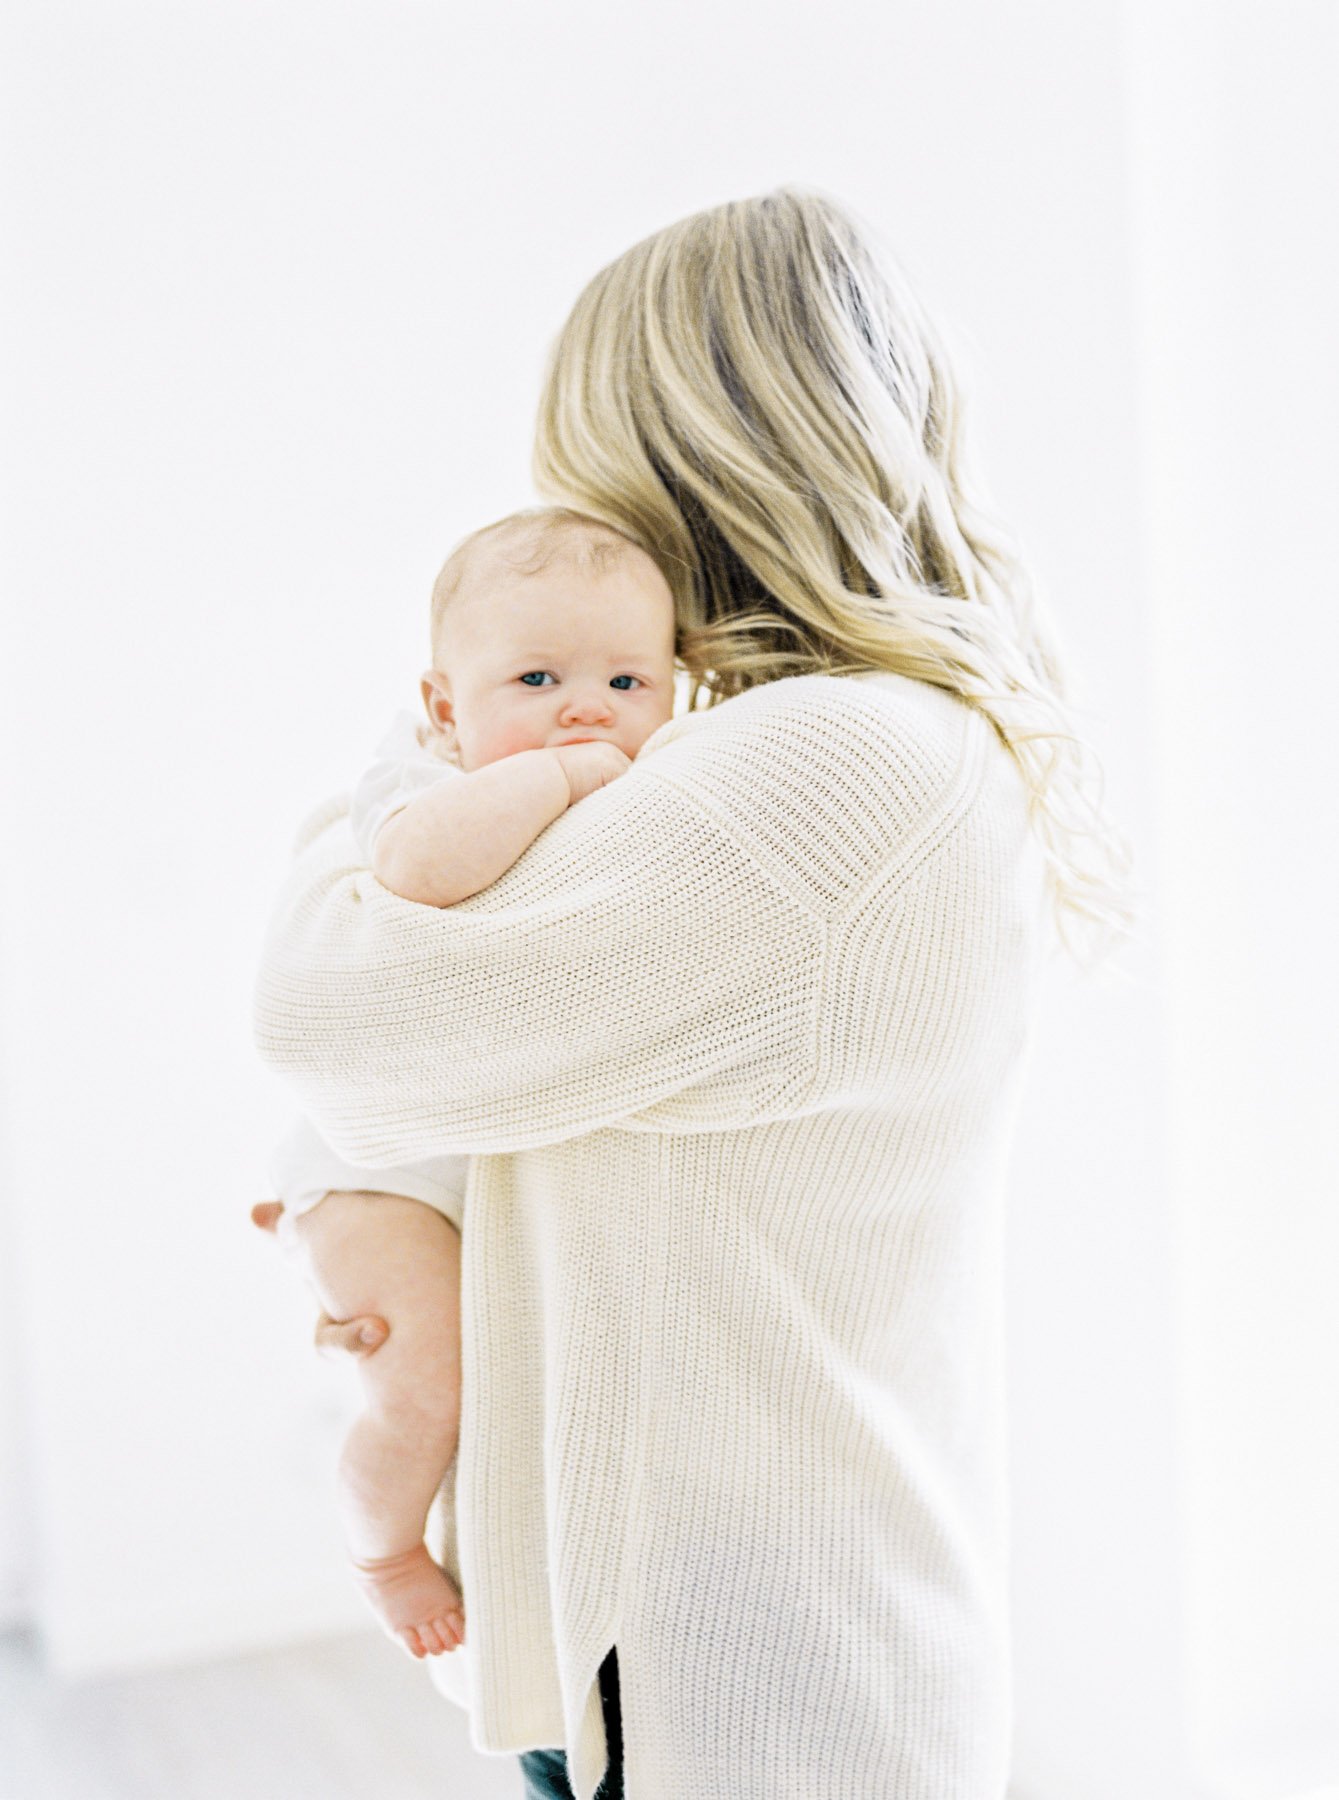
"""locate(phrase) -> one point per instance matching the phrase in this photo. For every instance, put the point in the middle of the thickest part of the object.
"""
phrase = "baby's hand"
(590, 766)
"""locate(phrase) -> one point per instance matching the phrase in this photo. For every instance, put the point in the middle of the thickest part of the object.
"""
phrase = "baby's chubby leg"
(384, 1254)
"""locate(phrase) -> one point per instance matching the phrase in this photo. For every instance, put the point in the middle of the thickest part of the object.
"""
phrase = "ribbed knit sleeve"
(665, 937)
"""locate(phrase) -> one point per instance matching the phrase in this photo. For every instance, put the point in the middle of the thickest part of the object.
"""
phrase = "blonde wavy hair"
(756, 398)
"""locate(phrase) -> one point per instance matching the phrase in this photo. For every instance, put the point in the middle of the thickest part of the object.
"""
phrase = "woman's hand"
(333, 1337)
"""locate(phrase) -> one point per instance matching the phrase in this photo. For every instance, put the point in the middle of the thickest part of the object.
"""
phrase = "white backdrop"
(286, 276)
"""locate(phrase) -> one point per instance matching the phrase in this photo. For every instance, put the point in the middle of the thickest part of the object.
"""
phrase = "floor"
(342, 1719)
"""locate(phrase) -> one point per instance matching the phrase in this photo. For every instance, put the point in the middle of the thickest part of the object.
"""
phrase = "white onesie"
(303, 1168)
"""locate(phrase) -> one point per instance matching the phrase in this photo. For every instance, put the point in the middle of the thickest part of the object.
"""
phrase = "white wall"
(290, 275)
(16, 1521)
(1236, 185)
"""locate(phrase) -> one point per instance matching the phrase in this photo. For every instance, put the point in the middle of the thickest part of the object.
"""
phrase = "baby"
(553, 643)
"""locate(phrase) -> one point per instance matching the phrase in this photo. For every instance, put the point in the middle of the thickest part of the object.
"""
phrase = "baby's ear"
(436, 699)
(440, 734)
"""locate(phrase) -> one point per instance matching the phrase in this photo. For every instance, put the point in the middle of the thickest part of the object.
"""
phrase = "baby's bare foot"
(417, 1604)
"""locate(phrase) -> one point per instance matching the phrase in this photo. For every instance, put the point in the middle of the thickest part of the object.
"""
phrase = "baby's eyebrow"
(614, 656)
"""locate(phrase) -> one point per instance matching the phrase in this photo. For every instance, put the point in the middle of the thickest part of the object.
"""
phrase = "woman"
(737, 1046)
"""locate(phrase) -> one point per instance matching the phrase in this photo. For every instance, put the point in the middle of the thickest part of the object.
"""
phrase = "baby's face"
(532, 661)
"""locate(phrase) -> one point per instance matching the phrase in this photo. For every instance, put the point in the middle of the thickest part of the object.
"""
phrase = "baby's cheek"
(506, 741)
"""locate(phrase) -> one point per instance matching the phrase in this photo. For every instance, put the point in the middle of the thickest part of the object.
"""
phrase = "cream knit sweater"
(735, 1048)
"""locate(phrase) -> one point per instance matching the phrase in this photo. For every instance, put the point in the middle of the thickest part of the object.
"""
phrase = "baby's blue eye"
(542, 672)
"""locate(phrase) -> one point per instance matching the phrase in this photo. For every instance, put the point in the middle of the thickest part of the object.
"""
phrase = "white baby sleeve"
(303, 1169)
(403, 766)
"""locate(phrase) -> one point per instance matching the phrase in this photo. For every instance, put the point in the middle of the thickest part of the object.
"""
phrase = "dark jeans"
(545, 1771)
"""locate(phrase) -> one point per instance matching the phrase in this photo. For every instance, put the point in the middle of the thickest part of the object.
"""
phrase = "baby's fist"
(590, 766)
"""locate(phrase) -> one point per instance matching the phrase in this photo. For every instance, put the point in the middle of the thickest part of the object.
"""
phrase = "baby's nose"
(588, 707)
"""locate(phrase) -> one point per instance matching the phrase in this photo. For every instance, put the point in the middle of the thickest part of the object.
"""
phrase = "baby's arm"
(458, 836)
(378, 1253)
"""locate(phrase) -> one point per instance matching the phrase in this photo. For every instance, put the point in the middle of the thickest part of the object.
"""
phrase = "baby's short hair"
(527, 542)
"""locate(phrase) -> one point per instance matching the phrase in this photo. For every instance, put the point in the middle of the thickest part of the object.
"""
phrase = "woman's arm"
(655, 959)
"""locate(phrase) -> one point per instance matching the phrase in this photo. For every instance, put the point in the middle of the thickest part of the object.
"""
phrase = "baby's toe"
(408, 1638)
